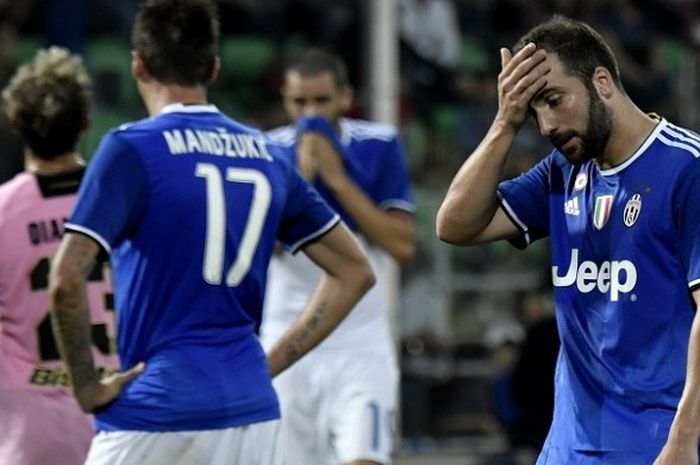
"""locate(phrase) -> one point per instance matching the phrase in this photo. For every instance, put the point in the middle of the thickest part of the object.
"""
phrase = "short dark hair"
(48, 99)
(579, 47)
(178, 40)
(315, 61)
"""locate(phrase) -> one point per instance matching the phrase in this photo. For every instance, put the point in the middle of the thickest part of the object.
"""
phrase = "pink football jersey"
(40, 421)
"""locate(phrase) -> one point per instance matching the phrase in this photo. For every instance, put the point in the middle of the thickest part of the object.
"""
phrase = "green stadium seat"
(109, 59)
(473, 57)
(246, 58)
(28, 46)
(102, 120)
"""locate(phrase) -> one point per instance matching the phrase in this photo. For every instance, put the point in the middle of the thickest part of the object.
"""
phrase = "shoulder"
(17, 187)
(284, 136)
(363, 130)
(17, 184)
(679, 141)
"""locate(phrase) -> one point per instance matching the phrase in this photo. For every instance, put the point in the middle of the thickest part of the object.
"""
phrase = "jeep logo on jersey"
(616, 276)
(601, 213)
(632, 209)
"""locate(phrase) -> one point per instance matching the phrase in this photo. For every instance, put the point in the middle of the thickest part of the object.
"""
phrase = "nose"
(311, 109)
(546, 123)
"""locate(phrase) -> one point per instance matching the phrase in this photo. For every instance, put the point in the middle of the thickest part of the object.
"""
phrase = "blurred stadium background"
(430, 67)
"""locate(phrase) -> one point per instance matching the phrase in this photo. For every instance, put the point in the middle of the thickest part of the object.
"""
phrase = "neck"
(631, 127)
(67, 162)
(156, 96)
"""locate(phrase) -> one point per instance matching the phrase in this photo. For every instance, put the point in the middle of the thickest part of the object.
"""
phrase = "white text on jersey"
(219, 143)
(589, 276)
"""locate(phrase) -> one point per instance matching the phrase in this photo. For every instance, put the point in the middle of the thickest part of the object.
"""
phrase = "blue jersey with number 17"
(626, 256)
(190, 204)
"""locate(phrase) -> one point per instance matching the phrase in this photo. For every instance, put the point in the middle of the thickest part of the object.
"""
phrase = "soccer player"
(338, 404)
(47, 102)
(617, 196)
(189, 204)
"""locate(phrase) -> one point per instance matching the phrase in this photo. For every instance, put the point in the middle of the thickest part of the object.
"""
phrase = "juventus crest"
(632, 209)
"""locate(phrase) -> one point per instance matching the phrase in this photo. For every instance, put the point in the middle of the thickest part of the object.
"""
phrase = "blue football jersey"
(190, 203)
(625, 255)
(374, 159)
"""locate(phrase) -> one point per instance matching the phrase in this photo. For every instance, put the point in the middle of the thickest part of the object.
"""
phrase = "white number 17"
(215, 245)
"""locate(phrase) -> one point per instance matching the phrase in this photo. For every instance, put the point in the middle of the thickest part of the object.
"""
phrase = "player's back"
(190, 263)
(34, 399)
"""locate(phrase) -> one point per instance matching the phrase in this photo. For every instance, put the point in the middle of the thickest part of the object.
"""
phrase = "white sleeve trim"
(398, 204)
(319, 232)
(694, 282)
(90, 233)
(513, 217)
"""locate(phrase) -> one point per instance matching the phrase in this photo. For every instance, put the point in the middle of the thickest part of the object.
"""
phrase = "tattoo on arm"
(70, 315)
(300, 345)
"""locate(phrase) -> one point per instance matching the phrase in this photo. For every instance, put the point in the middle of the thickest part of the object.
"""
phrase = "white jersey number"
(215, 245)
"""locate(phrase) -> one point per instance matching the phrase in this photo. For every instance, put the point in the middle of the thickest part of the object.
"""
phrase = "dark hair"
(48, 99)
(178, 40)
(315, 61)
(579, 47)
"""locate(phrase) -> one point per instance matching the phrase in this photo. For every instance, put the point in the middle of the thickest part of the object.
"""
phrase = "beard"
(594, 139)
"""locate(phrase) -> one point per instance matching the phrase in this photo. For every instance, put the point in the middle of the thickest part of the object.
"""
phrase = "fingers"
(131, 373)
(506, 56)
(522, 77)
(521, 65)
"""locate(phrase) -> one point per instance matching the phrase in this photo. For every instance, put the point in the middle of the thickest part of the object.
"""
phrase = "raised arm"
(682, 444)
(71, 323)
(346, 277)
(392, 230)
(469, 214)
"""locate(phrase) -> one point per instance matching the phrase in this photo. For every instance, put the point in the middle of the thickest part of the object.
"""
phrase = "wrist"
(501, 126)
(684, 429)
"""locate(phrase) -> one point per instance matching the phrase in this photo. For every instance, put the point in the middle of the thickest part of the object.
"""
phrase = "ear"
(215, 70)
(346, 98)
(604, 82)
(138, 67)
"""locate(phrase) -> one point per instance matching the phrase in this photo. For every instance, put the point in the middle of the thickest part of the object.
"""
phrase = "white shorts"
(256, 444)
(338, 407)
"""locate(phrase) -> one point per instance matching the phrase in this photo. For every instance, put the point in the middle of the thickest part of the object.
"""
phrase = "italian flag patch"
(603, 206)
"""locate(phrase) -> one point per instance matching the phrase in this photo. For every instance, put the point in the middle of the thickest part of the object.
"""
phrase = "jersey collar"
(642, 148)
(182, 108)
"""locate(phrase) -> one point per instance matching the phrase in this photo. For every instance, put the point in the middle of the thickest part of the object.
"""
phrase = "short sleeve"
(687, 215)
(306, 216)
(113, 194)
(525, 200)
(394, 190)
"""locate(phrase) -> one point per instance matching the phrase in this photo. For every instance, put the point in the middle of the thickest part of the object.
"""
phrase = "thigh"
(255, 444)
(364, 415)
(305, 429)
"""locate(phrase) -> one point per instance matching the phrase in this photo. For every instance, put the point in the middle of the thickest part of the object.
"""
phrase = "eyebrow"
(544, 93)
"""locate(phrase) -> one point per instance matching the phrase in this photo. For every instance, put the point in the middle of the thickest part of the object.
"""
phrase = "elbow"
(404, 252)
(366, 278)
(449, 232)
(361, 276)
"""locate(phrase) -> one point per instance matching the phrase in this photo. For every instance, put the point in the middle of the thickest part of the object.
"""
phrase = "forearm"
(471, 201)
(70, 315)
(71, 326)
(329, 304)
(686, 424)
(394, 233)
